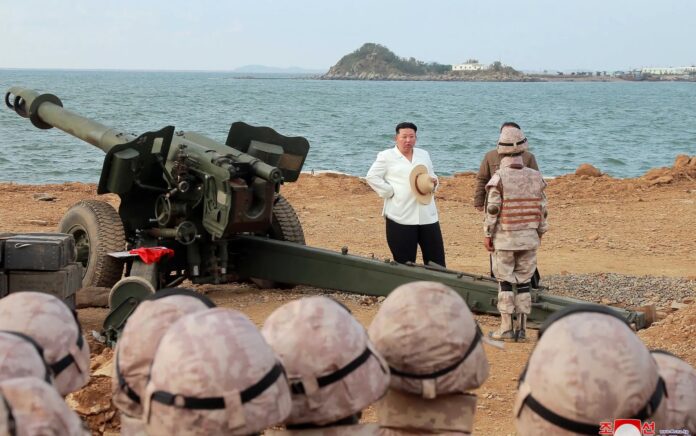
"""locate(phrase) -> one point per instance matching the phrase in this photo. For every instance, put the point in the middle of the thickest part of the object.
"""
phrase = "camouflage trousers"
(515, 267)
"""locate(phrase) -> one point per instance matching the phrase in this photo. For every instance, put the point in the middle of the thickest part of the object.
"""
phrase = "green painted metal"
(46, 111)
(202, 198)
(181, 189)
(297, 264)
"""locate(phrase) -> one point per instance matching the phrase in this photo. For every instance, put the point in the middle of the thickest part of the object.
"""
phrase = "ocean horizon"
(622, 128)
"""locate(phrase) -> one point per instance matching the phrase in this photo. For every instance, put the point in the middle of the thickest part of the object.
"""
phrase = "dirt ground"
(641, 226)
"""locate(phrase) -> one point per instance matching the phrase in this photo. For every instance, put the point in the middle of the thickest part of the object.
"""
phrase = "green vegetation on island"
(376, 62)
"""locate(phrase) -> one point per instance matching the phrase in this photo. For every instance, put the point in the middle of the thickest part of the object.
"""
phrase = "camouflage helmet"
(511, 141)
(22, 356)
(137, 344)
(55, 327)
(333, 369)
(213, 373)
(680, 378)
(430, 339)
(33, 407)
(588, 367)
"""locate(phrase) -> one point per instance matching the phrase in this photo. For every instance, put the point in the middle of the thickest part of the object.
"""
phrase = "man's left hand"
(488, 244)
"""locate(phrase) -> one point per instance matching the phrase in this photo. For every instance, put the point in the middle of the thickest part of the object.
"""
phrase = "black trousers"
(404, 240)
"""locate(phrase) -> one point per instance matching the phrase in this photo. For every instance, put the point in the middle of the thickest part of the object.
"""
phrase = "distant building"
(670, 71)
(469, 65)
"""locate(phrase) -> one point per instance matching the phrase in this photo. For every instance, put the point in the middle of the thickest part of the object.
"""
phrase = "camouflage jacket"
(515, 207)
(400, 413)
(338, 430)
(489, 165)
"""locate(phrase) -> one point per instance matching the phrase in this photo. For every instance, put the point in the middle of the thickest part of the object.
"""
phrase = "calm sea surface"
(622, 128)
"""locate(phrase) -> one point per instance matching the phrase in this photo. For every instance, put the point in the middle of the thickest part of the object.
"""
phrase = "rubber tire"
(96, 225)
(285, 226)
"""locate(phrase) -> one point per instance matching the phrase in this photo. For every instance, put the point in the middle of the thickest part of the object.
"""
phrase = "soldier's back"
(338, 430)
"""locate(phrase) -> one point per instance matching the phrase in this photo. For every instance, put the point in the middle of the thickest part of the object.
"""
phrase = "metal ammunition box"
(3, 237)
(62, 283)
(39, 251)
(3, 284)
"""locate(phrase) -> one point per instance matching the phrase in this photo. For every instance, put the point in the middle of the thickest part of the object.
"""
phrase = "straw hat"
(421, 184)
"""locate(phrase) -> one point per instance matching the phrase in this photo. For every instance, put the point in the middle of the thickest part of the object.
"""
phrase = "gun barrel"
(261, 169)
(46, 111)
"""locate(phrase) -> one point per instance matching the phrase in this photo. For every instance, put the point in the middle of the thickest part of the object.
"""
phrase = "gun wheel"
(285, 226)
(98, 230)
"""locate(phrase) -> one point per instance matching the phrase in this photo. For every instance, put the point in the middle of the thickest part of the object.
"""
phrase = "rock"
(93, 297)
(682, 161)
(38, 222)
(367, 300)
(587, 170)
(676, 305)
(92, 399)
(42, 196)
(662, 180)
(692, 162)
(656, 173)
(689, 300)
(106, 370)
(593, 237)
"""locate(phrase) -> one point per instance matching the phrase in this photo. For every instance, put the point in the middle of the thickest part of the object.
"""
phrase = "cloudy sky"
(314, 34)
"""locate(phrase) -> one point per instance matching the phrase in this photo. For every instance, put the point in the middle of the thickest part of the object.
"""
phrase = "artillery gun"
(218, 207)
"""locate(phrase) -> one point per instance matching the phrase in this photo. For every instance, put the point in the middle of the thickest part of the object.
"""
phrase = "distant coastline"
(502, 78)
(377, 63)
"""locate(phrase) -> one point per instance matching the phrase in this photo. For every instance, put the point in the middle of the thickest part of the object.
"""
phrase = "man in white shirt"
(409, 223)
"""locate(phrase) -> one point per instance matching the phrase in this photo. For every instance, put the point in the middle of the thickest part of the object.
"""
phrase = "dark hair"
(406, 125)
(510, 124)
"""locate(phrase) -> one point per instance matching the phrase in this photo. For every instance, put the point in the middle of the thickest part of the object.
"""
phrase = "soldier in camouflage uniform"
(432, 343)
(587, 368)
(514, 223)
(30, 406)
(55, 327)
(490, 164)
(680, 378)
(213, 373)
(137, 345)
(21, 356)
(333, 369)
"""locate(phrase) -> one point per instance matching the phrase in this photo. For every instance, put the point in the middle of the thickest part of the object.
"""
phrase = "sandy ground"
(641, 226)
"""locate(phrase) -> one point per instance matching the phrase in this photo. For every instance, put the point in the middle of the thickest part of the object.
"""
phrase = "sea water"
(622, 128)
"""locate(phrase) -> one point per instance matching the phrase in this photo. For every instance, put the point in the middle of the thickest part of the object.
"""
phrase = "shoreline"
(533, 78)
(335, 173)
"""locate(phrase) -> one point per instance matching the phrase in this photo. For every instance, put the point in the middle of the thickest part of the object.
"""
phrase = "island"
(376, 62)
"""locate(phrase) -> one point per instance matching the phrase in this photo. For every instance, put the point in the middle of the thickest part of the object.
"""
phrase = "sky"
(530, 35)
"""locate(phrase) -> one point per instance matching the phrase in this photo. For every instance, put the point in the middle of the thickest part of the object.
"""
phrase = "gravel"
(621, 290)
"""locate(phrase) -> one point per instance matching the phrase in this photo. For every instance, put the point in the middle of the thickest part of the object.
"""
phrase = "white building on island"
(470, 65)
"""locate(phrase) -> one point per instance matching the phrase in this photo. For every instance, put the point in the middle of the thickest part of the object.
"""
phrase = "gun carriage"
(218, 207)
